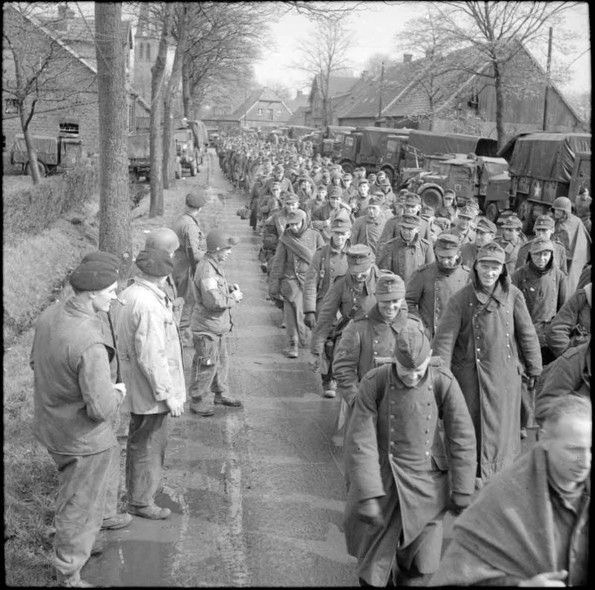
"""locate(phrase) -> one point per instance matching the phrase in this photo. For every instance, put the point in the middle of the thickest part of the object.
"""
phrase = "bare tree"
(497, 31)
(38, 77)
(114, 205)
(323, 54)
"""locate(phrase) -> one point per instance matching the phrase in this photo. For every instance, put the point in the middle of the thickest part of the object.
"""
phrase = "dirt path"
(256, 493)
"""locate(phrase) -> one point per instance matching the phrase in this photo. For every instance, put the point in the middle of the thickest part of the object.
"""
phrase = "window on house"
(271, 114)
(11, 106)
(69, 128)
(142, 123)
(260, 112)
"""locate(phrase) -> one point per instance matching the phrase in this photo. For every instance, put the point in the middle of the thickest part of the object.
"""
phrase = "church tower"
(146, 45)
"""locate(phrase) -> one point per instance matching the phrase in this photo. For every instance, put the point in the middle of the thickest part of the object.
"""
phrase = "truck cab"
(53, 153)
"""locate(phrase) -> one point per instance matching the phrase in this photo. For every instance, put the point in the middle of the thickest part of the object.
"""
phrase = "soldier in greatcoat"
(431, 286)
(485, 232)
(487, 338)
(410, 426)
(293, 256)
(544, 228)
(464, 226)
(367, 228)
(511, 241)
(329, 263)
(406, 252)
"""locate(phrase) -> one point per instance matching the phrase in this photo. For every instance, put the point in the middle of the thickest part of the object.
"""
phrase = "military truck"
(63, 151)
(483, 179)
(544, 166)
(139, 155)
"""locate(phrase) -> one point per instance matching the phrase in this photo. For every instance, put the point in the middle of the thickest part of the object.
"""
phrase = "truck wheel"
(432, 197)
(492, 212)
(347, 167)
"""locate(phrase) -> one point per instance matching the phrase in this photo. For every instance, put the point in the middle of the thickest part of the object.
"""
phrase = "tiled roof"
(338, 85)
(260, 94)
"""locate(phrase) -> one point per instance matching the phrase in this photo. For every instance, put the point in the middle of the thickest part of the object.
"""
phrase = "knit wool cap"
(93, 275)
(540, 244)
(101, 256)
(155, 263)
(486, 225)
(217, 240)
(195, 201)
(389, 287)
(162, 238)
(544, 222)
(359, 258)
(491, 251)
(412, 347)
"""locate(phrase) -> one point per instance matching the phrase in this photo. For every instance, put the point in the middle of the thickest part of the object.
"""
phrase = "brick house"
(439, 95)
(339, 90)
(71, 105)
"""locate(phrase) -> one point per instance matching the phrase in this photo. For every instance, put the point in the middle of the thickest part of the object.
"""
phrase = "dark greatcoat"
(400, 444)
(485, 340)
(404, 258)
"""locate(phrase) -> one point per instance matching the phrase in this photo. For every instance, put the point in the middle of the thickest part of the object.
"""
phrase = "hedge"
(32, 210)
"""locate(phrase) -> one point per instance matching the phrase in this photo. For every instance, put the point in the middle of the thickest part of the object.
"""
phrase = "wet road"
(257, 495)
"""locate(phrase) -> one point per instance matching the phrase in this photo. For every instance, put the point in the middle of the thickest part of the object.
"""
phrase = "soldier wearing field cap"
(411, 207)
(370, 340)
(211, 324)
(329, 263)
(544, 286)
(349, 188)
(75, 402)
(323, 215)
(544, 228)
(190, 252)
(511, 240)
(571, 232)
(487, 338)
(405, 253)
(432, 285)
(465, 224)
(367, 228)
(360, 202)
(485, 232)
(151, 362)
(351, 295)
(448, 207)
(396, 462)
(293, 256)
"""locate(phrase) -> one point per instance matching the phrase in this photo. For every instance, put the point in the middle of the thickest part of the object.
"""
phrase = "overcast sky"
(374, 30)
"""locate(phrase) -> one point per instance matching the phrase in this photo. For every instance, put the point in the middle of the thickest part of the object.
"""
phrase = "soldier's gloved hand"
(458, 502)
(315, 363)
(310, 319)
(369, 511)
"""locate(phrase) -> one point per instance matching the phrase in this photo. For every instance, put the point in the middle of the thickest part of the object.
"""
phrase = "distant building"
(298, 107)
(442, 95)
(71, 107)
(339, 89)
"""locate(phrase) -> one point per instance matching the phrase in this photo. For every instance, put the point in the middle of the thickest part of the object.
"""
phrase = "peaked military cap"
(544, 222)
(491, 251)
(412, 347)
(447, 244)
(347, 176)
(442, 222)
(486, 225)
(362, 181)
(389, 287)
(412, 199)
(340, 224)
(296, 216)
(540, 244)
(467, 211)
(375, 200)
(290, 198)
(410, 221)
(334, 192)
(359, 258)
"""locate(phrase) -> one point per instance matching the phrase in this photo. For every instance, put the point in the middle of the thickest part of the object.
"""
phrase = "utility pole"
(380, 107)
(547, 80)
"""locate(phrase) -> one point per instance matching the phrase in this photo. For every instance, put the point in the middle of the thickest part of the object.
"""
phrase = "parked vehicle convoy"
(52, 152)
(139, 155)
(544, 166)
(483, 179)
(187, 154)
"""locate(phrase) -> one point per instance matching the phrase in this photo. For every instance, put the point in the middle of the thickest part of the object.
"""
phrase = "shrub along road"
(256, 493)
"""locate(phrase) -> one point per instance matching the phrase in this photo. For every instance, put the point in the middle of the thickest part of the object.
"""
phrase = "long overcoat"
(400, 444)
(485, 340)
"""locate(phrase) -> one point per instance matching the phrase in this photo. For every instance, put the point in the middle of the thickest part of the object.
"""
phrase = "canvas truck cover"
(430, 143)
(45, 146)
(546, 156)
(138, 146)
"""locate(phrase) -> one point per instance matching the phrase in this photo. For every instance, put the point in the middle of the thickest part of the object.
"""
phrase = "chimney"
(407, 58)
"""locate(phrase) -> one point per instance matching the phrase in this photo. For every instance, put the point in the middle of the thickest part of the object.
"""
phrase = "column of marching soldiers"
(448, 338)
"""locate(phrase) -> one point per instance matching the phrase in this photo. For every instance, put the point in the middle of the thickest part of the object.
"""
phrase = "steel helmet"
(562, 203)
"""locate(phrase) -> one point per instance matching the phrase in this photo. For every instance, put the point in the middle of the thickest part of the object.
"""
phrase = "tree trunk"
(170, 103)
(114, 202)
(187, 102)
(31, 153)
(499, 105)
(156, 121)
